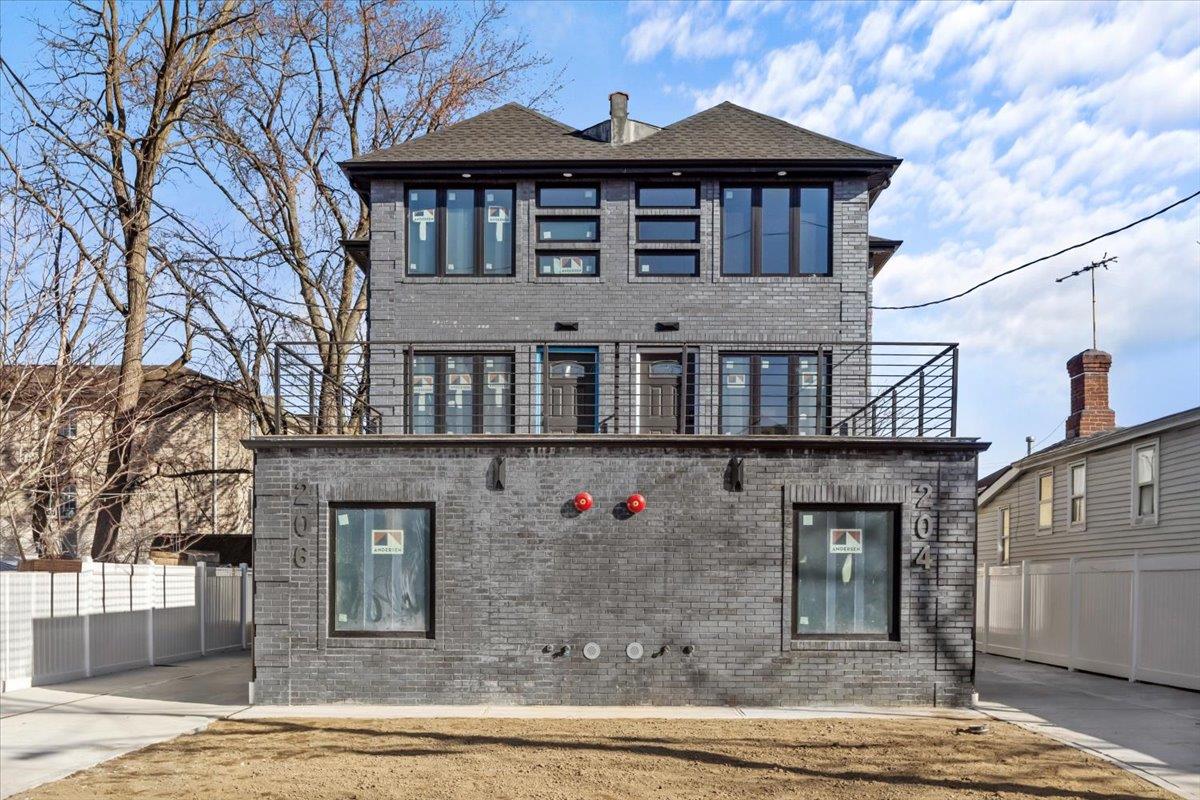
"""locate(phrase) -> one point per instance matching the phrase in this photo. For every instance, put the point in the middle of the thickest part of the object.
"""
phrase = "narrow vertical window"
(1078, 493)
(775, 233)
(1046, 500)
(460, 231)
(737, 245)
(1004, 540)
(422, 232)
(1145, 467)
(67, 503)
(497, 231)
(815, 202)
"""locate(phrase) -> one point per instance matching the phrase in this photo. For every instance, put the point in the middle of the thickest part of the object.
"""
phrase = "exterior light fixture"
(466, 174)
(636, 504)
(582, 502)
(568, 174)
(781, 173)
(676, 173)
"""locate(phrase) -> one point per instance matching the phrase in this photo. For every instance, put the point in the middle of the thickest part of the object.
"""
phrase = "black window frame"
(477, 394)
(897, 572)
(537, 266)
(795, 223)
(431, 614)
(638, 253)
(637, 194)
(824, 398)
(443, 230)
(542, 218)
(637, 228)
(566, 185)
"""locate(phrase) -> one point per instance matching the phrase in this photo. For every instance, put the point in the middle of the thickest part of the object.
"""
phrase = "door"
(572, 393)
(662, 384)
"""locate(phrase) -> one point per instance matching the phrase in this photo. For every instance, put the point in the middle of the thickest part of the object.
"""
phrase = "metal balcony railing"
(730, 387)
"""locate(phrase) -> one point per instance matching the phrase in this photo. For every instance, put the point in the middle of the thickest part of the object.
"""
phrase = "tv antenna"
(1090, 269)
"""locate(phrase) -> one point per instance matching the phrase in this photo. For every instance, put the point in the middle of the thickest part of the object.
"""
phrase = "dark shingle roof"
(514, 133)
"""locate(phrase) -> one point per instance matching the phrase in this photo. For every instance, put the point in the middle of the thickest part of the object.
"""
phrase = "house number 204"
(923, 524)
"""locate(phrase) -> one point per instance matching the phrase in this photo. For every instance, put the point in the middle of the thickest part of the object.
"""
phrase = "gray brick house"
(622, 435)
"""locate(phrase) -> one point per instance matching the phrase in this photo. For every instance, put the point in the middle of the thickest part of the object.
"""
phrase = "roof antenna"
(1091, 269)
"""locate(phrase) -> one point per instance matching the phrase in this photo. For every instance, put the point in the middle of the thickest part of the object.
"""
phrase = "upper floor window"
(67, 429)
(668, 196)
(1145, 483)
(568, 229)
(773, 393)
(462, 393)
(668, 229)
(1045, 499)
(665, 263)
(1004, 540)
(67, 503)
(568, 196)
(459, 230)
(1078, 493)
(775, 230)
(563, 263)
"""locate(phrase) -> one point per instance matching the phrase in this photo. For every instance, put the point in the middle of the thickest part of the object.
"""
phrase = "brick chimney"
(618, 118)
(1089, 394)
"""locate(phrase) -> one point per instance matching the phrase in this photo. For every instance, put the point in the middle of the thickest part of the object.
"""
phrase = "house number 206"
(300, 523)
(923, 524)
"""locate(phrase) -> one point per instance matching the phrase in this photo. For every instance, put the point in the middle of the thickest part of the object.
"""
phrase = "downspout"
(213, 510)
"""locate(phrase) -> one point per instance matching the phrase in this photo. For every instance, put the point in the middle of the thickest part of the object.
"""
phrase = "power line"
(981, 284)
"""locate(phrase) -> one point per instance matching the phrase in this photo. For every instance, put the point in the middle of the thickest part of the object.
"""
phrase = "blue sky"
(1023, 127)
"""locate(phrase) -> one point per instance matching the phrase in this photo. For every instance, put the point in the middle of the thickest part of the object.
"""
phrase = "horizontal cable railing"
(731, 387)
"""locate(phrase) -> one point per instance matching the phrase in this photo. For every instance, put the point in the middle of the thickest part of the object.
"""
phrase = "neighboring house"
(1101, 491)
(1089, 549)
(627, 439)
(193, 477)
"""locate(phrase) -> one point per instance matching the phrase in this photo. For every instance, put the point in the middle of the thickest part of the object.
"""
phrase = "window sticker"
(808, 519)
(422, 217)
(736, 380)
(589, 193)
(569, 265)
(808, 380)
(423, 384)
(387, 542)
(498, 216)
(343, 520)
(846, 540)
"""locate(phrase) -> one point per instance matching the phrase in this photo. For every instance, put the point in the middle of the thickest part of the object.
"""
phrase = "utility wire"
(1113, 232)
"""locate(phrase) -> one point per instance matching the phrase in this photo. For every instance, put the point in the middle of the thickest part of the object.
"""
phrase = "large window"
(775, 230)
(844, 572)
(382, 570)
(462, 393)
(460, 230)
(1046, 500)
(1145, 483)
(774, 393)
(1078, 494)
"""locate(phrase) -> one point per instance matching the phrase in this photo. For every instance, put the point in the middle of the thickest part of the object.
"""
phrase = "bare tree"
(103, 119)
(313, 84)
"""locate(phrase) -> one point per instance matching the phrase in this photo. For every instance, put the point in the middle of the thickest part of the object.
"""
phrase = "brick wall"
(703, 565)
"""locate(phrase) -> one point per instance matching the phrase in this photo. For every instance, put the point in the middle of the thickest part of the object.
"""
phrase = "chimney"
(618, 118)
(1089, 394)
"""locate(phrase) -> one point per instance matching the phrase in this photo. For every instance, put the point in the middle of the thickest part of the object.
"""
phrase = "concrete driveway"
(47, 733)
(1151, 730)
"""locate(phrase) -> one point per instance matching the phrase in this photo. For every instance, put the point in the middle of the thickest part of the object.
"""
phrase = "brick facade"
(703, 565)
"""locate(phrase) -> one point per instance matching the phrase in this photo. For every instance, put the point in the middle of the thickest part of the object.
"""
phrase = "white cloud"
(694, 31)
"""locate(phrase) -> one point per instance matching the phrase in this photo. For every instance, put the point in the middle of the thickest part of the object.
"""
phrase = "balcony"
(888, 390)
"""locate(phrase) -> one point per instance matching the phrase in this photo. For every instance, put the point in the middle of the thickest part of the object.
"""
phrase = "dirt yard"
(493, 759)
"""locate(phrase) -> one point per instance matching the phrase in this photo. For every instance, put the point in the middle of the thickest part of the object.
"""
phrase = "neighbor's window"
(67, 429)
(1004, 540)
(568, 197)
(1045, 499)
(67, 503)
(668, 197)
(774, 393)
(568, 229)
(1145, 482)
(382, 570)
(460, 230)
(462, 393)
(775, 230)
(1078, 493)
(561, 263)
(668, 229)
(844, 572)
(661, 263)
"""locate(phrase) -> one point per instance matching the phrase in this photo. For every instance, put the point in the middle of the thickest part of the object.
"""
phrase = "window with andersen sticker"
(460, 231)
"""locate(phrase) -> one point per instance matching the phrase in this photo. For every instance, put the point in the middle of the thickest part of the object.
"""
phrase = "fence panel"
(1132, 617)
(108, 617)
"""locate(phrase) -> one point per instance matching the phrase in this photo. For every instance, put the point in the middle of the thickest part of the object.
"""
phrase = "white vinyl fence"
(1136, 617)
(109, 617)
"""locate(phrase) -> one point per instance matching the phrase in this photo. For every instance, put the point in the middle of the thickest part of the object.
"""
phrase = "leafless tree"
(102, 119)
(312, 84)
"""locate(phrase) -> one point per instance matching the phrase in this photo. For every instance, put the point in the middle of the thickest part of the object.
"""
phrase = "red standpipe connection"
(583, 501)
(636, 504)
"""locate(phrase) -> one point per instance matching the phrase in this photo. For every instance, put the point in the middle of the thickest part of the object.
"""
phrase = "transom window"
(774, 393)
(568, 196)
(382, 570)
(775, 230)
(462, 393)
(667, 263)
(460, 231)
(668, 197)
(564, 263)
(668, 229)
(844, 572)
(568, 229)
